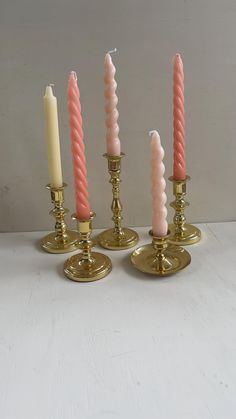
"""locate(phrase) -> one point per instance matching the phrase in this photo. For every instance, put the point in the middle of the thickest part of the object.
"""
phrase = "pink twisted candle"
(178, 113)
(159, 211)
(78, 149)
(111, 100)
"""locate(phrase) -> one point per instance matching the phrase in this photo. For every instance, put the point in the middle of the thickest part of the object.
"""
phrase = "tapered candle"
(111, 100)
(178, 114)
(159, 211)
(78, 149)
(53, 141)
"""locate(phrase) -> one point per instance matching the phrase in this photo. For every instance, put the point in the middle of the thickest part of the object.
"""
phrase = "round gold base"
(51, 244)
(175, 259)
(191, 235)
(79, 270)
(111, 241)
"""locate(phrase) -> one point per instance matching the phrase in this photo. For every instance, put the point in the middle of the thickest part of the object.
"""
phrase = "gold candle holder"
(86, 266)
(181, 232)
(62, 240)
(119, 237)
(160, 258)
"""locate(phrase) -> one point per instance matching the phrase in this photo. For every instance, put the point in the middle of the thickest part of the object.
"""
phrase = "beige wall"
(40, 41)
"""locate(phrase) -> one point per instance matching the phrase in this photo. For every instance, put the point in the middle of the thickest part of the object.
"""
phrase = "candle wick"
(113, 50)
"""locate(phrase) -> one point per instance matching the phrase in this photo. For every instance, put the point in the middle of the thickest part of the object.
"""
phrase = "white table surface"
(128, 346)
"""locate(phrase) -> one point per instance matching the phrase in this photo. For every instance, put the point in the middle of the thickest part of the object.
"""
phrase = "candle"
(111, 100)
(78, 149)
(178, 113)
(159, 211)
(53, 141)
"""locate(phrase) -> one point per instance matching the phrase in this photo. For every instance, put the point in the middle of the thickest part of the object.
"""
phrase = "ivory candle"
(78, 149)
(159, 211)
(53, 141)
(111, 100)
(179, 172)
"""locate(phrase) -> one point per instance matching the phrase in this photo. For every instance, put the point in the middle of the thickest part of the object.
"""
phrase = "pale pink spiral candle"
(111, 100)
(178, 113)
(159, 211)
(78, 149)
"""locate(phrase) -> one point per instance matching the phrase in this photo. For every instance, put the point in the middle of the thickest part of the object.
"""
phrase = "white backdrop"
(41, 41)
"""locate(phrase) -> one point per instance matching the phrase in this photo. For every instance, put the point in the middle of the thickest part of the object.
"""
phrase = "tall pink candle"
(111, 100)
(78, 149)
(159, 211)
(178, 113)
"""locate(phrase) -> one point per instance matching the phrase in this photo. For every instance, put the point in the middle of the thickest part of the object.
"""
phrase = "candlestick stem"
(86, 266)
(160, 258)
(119, 237)
(116, 206)
(181, 232)
(62, 240)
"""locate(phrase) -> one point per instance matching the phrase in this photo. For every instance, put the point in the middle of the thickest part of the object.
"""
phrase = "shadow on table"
(37, 245)
(59, 269)
(21, 240)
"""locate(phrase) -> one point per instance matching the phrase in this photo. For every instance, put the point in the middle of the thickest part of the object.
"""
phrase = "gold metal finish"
(62, 240)
(87, 266)
(160, 258)
(117, 238)
(181, 232)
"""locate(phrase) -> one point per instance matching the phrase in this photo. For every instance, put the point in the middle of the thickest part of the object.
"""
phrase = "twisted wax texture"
(159, 211)
(111, 100)
(178, 113)
(78, 149)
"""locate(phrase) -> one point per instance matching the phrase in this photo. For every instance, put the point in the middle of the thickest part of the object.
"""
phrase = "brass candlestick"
(160, 258)
(86, 266)
(62, 240)
(117, 238)
(181, 232)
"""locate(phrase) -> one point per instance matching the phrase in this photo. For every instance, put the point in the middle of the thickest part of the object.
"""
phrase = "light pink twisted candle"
(78, 149)
(159, 211)
(111, 100)
(178, 113)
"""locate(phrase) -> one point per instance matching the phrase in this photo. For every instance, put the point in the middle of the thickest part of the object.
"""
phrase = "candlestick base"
(109, 239)
(86, 266)
(79, 270)
(51, 244)
(182, 233)
(188, 235)
(160, 258)
(62, 240)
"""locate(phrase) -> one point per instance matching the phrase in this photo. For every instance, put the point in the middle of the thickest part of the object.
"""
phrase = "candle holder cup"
(62, 240)
(181, 233)
(160, 258)
(86, 266)
(119, 237)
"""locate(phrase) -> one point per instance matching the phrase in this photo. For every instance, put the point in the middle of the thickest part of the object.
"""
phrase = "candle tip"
(152, 132)
(178, 56)
(177, 60)
(49, 91)
(112, 50)
(73, 74)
